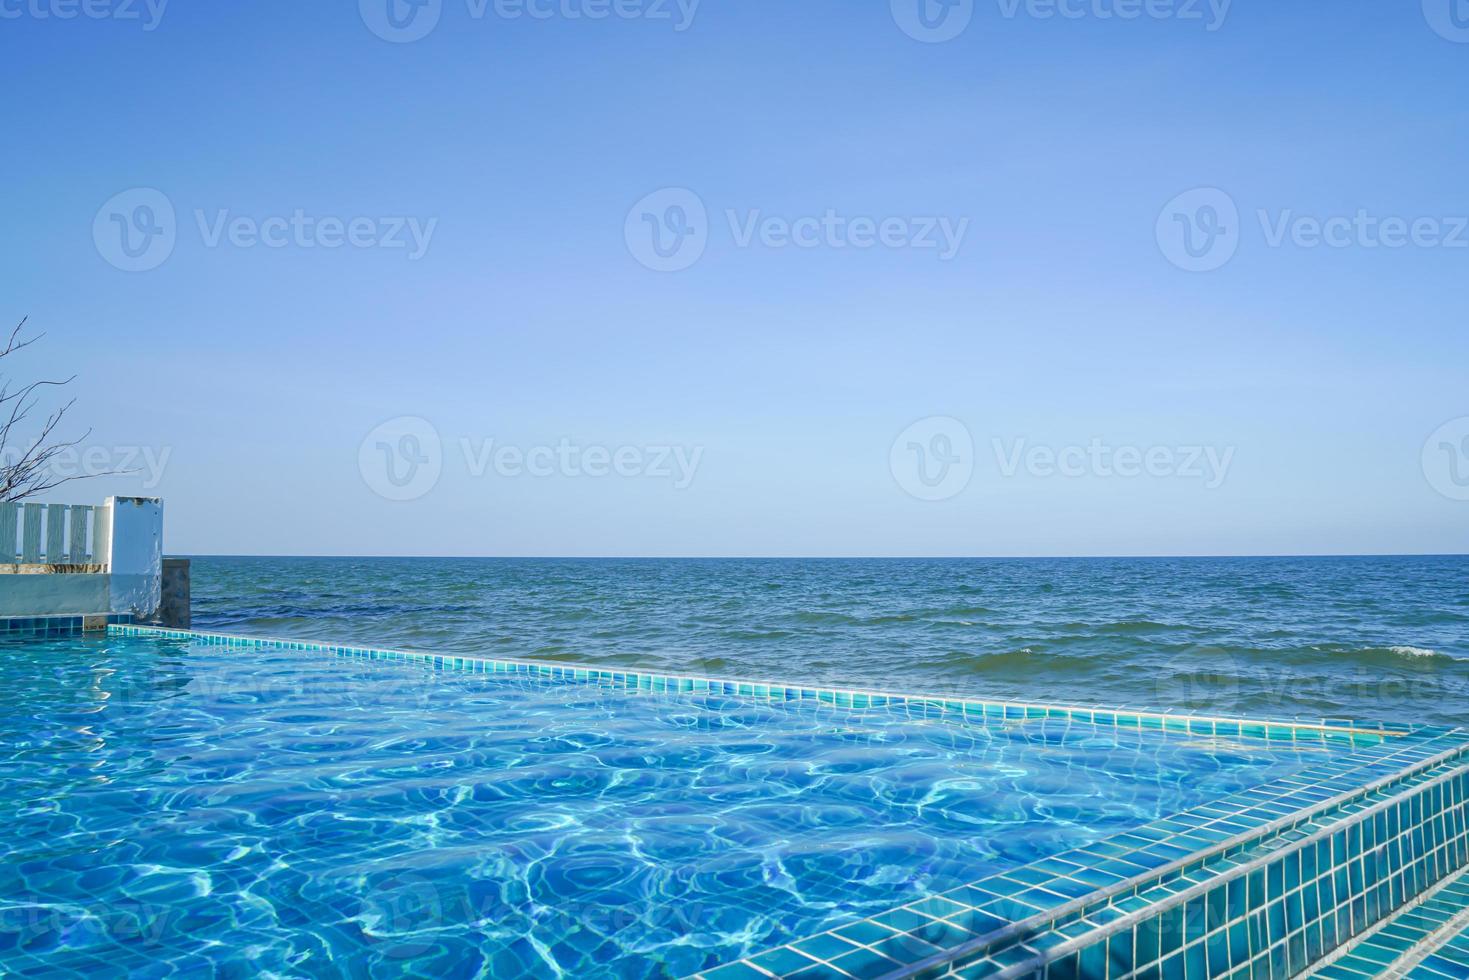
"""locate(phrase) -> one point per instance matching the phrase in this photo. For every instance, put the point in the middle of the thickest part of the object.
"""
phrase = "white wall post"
(134, 554)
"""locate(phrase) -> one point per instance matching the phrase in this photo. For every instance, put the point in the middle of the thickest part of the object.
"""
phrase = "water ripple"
(178, 809)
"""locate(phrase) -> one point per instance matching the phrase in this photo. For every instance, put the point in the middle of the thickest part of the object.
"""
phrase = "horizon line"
(1383, 554)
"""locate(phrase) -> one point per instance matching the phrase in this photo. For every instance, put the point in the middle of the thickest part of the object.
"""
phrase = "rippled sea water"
(180, 809)
(1366, 638)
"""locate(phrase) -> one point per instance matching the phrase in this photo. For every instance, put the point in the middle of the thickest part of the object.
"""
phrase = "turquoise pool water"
(177, 808)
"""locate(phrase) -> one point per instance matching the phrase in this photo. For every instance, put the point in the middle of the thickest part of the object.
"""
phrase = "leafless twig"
(26, 470)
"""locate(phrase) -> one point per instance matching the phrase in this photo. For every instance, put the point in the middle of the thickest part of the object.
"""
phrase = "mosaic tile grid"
(1449, 961)
(1279, 911)
(52, 626)
(1016, 915)
(1428, 939)
(1184, 929)
(1180, 723)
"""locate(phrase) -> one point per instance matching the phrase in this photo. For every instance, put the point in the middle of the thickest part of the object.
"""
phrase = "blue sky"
(1058, 374)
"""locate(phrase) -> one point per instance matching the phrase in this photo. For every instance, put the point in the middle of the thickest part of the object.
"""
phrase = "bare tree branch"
(12, 346)
(28, 470)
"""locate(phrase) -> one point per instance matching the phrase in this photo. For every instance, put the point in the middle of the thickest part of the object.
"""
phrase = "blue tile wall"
(1428, 940)
(22, 627)
(1447, 961)
(1066, 908)
(1276, 913)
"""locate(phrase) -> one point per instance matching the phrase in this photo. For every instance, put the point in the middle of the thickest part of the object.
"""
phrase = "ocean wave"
(1421, 652)
(1026, 657)
(1124, 626)
(816, 617)
(754, 634)
(1382, 656)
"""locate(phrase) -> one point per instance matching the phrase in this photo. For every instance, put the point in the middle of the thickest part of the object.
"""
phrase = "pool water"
(171, 807)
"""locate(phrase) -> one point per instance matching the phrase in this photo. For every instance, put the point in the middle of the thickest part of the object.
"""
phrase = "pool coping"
(1019, 927)
(1284, 800)
(1348, 813)
(1448, 944)
(1254, 837)
(1431, 935)
(1128, 719)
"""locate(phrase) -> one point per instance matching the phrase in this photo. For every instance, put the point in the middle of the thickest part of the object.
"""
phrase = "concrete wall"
(135, 555)
(175, 610)
(65, 594)
(128, 578)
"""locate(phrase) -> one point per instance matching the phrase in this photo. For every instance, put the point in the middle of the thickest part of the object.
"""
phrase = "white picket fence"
(53, 534)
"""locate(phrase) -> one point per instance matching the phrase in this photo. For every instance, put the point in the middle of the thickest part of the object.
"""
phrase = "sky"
(651, 277)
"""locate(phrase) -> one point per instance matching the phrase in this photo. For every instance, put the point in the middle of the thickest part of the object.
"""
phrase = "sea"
(1362, 638)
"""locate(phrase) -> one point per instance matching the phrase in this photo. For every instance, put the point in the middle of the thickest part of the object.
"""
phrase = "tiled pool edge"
(1012, 910)
(1400, 945)
(1445, 955)
(1186, 723)
(1281, 910)
(41, 627)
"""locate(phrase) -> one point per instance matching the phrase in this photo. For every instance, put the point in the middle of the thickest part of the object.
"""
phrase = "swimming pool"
(183, 804)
